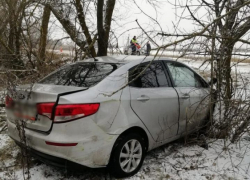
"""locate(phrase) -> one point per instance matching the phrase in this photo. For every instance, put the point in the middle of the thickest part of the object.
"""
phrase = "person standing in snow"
(148, 48)
(133, 42)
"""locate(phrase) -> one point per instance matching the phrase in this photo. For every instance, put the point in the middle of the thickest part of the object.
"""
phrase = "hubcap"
(130, 156)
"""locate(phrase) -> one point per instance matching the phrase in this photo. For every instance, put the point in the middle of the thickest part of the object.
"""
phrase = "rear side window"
(81, 74)
(151, 77)
(183, 76)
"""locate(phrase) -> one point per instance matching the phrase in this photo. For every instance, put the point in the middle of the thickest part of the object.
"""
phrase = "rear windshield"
(81, 74)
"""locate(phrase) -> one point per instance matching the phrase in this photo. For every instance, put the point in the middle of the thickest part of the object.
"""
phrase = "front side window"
(183, 76)
(81, 74)
(148, 77)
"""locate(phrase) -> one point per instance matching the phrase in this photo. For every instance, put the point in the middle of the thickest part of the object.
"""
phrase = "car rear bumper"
(93, 147)
(51, 160)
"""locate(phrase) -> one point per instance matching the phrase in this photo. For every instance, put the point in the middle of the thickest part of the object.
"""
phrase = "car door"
(154, 100)
(193, 96)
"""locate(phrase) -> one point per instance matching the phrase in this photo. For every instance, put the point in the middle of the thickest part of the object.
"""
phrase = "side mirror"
(214, 81)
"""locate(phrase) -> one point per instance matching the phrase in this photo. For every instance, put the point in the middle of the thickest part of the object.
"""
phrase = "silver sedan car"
(108, 111)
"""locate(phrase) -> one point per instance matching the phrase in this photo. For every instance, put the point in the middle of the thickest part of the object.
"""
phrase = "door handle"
(185, 96)
(143, 98)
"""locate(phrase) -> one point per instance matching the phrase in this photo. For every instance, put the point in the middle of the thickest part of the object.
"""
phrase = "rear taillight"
(45, 109)
(67, 112)
(8, 102)
(74, 111)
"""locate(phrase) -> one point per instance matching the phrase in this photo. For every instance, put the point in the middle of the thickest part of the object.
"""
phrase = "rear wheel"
(127, 156)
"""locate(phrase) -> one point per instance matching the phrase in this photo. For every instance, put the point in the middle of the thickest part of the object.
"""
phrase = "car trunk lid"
(26, 98)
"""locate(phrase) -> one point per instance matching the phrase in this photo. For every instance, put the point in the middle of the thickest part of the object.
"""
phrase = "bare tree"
(43, 35)
(79, 13)
(223, 24)
(14, 11)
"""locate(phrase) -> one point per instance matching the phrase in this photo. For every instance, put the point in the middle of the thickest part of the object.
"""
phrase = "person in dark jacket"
(148, 48)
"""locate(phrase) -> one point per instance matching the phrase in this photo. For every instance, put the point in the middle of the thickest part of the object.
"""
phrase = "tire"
(132, 163)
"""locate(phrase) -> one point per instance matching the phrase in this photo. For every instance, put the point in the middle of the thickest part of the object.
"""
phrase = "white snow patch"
(4, 139)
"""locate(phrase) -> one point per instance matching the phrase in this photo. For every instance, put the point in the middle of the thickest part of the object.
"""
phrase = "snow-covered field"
(175, 160)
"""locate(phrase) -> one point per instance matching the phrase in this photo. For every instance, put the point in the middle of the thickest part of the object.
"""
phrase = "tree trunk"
(43, 36)
(11, 28)
(224, 88)
(18, 32)
(103, 32)
(14, 37)
(108, 18)
(102, 45)
(102, 42)
(226, 50)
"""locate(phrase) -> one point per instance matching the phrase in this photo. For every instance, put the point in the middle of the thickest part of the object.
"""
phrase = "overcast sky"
(164, 11)
(126, 12)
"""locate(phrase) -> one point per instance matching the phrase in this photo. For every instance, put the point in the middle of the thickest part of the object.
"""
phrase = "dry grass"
(6, 153)
(240, 60)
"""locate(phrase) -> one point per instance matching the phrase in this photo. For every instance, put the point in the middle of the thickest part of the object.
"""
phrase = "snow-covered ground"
(172, 161)
(175, 160)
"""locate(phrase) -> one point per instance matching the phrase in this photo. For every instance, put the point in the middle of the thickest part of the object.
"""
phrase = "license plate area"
(25, 111)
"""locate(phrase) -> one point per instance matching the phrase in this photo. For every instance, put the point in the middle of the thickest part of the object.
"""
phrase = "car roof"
(125, 59)
(133, 60)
